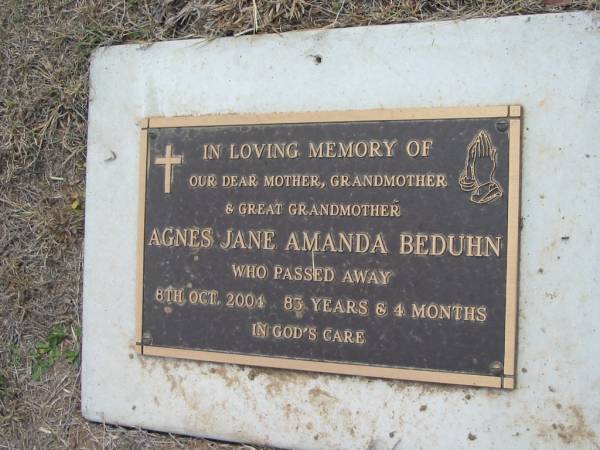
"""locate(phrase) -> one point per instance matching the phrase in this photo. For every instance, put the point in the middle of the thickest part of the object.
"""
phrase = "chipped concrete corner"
(428, 64)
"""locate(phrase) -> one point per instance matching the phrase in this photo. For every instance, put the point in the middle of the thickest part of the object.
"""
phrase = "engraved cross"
(169, 160)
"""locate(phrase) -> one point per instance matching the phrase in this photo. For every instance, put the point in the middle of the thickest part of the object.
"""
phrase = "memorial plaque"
(378, 243)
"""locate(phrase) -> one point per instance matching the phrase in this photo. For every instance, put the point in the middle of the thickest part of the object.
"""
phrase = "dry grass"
(44, 53)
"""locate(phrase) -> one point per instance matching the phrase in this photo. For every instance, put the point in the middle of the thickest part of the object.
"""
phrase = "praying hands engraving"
(477, 176)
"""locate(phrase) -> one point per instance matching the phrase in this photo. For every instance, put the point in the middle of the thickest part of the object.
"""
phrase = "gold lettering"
(260, 329)
(269, 150)
(469, 313)
(315, 152)
(495, 243)
(252, 271)
(352, 149)
(231, 181)
(154, 239)
(418, 311)
(208, 181)
(457, 311)
(453, 251)
(435, 311)
(445, 312)
(249, 240)
(389, 180)
(336, 242)
(438, 245)
(406, 244)
(292, 180)
(421, 239)
(473, 245)
(389, 147)
(211, 151)
(344, 336)
(304, 273)
(182, 237)
(412, 148)
(481, 314)
(461, 245)
(427, 146)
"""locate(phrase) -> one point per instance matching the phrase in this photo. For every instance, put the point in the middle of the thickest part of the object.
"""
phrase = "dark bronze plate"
(376, 243)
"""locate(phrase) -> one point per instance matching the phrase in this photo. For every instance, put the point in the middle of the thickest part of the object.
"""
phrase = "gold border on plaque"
(513, 113)
(139, 288)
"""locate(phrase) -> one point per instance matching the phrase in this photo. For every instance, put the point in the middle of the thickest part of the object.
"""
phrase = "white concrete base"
(550, 64)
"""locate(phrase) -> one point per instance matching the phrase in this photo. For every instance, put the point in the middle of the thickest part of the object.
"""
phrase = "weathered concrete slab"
(550, 64)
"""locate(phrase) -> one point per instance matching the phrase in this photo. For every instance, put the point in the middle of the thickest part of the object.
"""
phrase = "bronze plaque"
(378, 243)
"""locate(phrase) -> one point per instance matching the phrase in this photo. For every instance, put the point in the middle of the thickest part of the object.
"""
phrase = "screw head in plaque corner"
(502, 125)
(146, 339)
(496, 367)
